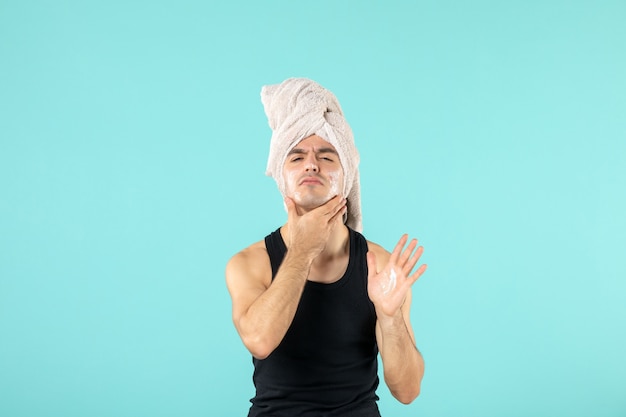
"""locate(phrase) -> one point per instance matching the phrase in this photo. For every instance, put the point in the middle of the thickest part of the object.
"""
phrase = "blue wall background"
(132, 151)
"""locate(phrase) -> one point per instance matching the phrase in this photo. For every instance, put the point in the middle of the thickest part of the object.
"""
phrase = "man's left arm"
(403, 364)
(389, 286)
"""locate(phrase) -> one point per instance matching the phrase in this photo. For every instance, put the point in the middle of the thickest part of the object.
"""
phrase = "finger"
(328, 208)
(415, 276)
(338, 217)
(335, 205)
(413, 261)
(407, 253)
(396, 251)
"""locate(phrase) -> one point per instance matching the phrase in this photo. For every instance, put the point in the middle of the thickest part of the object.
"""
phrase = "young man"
(314, 302)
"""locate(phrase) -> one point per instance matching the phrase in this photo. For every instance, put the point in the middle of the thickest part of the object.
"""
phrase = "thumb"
(371, 264)
(291, 208)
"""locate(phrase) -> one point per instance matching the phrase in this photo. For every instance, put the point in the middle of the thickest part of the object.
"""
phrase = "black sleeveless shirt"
(326, 365)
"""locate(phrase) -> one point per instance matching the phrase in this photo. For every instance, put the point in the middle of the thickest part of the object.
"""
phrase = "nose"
(311, 164)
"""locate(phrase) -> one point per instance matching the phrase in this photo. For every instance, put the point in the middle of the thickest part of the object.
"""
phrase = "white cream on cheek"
(336, 185)
(290, 185)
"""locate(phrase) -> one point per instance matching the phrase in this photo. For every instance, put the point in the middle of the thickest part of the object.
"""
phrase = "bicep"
(246, 280)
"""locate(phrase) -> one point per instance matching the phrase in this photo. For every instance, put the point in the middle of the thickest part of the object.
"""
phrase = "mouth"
(311, 181)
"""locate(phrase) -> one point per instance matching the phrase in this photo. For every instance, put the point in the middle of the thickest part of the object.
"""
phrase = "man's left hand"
(388, 288)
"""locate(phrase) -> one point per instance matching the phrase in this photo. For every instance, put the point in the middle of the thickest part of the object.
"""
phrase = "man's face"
(312, 173)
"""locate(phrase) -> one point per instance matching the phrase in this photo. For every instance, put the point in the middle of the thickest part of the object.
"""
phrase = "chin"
(310, 202)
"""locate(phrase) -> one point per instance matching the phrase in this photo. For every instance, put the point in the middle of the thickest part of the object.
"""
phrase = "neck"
(336, 245)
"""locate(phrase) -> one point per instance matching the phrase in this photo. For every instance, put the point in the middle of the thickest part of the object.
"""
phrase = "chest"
(329, 270)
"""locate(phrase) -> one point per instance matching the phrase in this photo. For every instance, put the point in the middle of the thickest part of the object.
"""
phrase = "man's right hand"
(309, 232)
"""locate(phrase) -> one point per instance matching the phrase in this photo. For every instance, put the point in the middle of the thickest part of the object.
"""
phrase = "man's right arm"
(264, 309)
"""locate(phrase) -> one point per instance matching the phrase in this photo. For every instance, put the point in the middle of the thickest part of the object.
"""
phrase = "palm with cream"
(388, 288)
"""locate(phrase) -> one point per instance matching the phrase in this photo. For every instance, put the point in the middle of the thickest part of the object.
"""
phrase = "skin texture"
(318, 250)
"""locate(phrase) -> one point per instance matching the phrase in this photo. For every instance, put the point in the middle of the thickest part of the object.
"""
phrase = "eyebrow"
(320, 150)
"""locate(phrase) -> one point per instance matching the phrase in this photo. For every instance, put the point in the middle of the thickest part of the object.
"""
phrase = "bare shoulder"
(249, 266)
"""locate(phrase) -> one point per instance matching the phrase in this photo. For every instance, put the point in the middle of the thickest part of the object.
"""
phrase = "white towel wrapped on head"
(298, 108)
